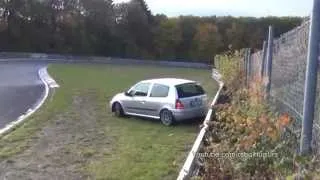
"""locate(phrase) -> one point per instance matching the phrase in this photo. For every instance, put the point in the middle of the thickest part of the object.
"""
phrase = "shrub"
(244, 123)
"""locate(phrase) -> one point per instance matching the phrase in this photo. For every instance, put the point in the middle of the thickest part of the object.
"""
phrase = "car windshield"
(189, 90)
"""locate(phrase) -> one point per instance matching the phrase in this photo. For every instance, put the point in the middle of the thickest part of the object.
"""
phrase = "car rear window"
(189, 90)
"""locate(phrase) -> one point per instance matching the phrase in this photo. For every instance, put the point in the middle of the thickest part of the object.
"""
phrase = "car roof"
(169, 81)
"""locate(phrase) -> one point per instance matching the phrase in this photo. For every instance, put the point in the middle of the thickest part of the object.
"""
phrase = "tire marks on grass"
(71, 140)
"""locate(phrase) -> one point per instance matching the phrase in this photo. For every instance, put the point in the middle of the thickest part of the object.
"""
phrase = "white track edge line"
(30, 111)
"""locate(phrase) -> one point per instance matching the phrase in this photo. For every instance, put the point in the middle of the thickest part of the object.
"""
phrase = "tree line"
(101, 27)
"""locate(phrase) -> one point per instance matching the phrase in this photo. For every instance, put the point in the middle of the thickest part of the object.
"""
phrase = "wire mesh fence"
(316, 138)
(288, 74)
(289, 69)
(286, 77)
(256, 61)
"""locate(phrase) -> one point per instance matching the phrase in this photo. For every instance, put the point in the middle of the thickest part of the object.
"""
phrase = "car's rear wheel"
(118, 111)
(166, 117)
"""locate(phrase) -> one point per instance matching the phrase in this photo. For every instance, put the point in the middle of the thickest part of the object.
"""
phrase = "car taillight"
(179, 104)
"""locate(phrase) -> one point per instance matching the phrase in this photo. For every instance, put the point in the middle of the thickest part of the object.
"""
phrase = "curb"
(48, 83)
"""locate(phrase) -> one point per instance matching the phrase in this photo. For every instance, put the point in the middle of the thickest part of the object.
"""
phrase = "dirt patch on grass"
(59, 151)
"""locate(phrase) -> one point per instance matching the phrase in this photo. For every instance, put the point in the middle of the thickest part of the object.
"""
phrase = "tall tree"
(100, 23)
(207, 40)
(167, 38)
(188, 26)
(145, 9)
(136, 29)
(100, 27)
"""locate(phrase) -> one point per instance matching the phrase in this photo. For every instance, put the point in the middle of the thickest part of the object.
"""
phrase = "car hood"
(118, 97)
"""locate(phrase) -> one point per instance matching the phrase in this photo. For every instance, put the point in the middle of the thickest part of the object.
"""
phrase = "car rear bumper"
(184, 114)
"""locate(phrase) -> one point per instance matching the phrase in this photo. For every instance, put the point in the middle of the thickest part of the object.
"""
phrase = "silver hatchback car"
(167, 99)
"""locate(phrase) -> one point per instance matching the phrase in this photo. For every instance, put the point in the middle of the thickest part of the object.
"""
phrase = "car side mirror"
(127, 93)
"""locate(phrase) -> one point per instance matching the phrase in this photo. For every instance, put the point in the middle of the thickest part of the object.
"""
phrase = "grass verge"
(136, 148)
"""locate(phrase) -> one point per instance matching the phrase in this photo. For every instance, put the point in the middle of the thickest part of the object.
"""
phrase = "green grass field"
(105, 147)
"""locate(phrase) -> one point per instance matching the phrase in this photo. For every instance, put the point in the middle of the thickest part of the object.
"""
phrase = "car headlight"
(110, 103)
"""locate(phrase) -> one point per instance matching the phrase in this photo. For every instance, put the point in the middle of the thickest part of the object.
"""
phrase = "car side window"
(159, 90)
(141, 89)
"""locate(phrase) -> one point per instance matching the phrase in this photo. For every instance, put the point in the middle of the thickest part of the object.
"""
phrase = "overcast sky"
(230, 7)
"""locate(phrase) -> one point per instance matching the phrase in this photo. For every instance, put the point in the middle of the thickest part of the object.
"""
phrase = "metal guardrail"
(57, 58)
(191, 166)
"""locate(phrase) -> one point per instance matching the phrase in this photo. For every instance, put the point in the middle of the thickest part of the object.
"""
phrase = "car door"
(139, 93)
(158, 98)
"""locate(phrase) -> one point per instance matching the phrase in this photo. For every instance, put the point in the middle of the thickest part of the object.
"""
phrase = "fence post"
(269, 61)
(245, 65)
(311, 80)
(248, 66)
(263, 63)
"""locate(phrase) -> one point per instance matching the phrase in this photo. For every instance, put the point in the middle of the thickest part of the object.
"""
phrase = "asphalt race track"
(20, 89)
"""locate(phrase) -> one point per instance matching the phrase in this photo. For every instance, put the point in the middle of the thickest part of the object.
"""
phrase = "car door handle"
(143, 102)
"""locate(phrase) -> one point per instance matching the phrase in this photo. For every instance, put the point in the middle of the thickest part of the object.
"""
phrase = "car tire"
(166, 117)
(118, 110)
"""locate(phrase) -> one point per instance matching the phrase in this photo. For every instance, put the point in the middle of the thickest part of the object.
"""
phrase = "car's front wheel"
(166, 117)
(117, 110)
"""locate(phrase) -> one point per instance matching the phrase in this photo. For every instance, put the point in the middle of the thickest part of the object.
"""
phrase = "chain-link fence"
(289, 69)
(316, 138)
(288, 74)
(256, 66)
